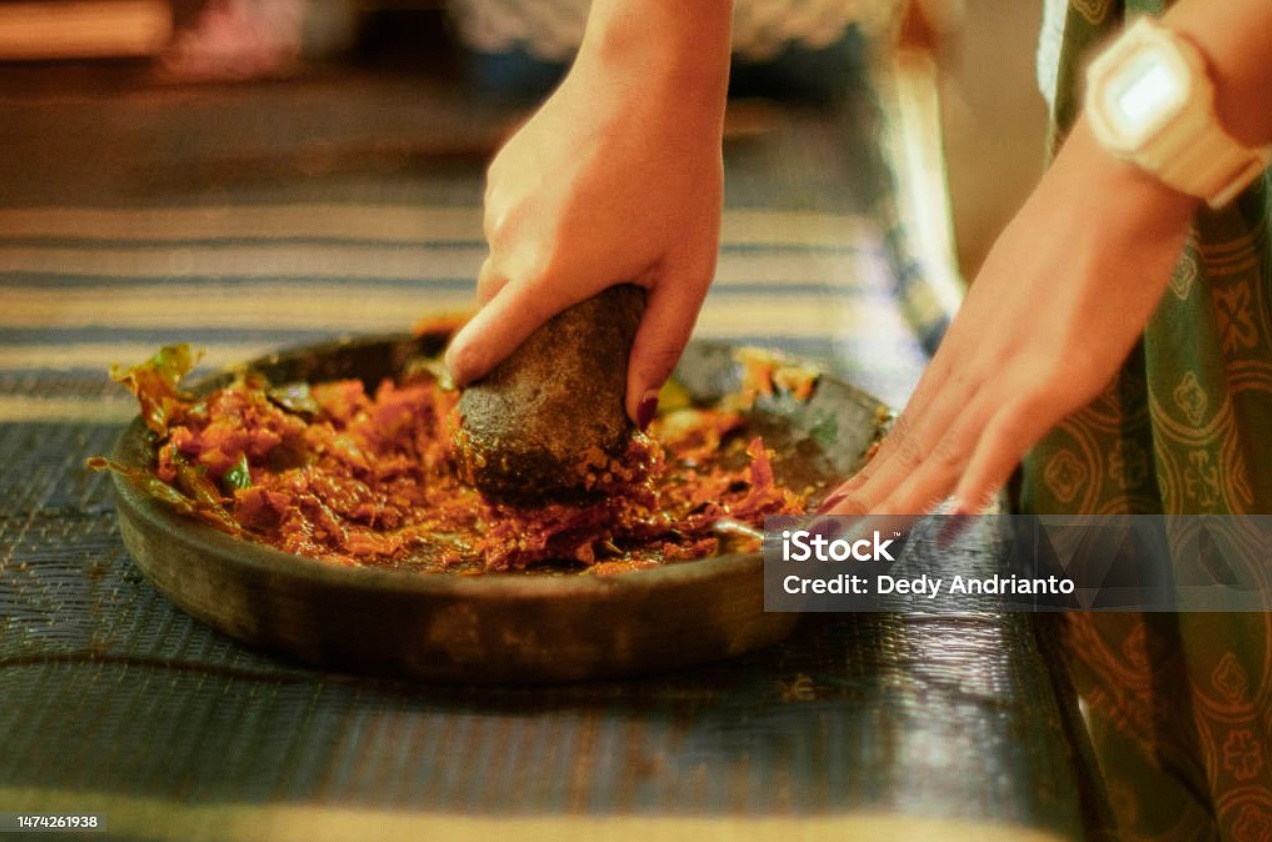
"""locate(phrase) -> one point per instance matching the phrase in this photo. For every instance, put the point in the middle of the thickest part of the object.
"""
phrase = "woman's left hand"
(1060, 301)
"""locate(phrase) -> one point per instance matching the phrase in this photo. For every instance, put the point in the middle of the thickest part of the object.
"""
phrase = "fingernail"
(831, 502)
(829, 528)
(955, 519)
(951, 529)
(647, 409)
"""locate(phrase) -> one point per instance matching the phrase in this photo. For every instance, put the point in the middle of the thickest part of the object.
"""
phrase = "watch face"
(1146, 93)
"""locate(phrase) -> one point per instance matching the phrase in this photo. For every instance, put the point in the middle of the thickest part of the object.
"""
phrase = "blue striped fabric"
(85, 287)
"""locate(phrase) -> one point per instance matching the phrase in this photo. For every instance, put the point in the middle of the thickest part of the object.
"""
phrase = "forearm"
(1236, 38)
(682, 45)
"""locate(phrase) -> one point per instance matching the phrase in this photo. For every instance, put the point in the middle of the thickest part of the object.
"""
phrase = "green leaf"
(239, 476)
(155, 383)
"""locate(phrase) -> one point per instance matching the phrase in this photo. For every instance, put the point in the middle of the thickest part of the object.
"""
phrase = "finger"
(947, 400)
(925, 391)
(979, 454)
(911, 442)
(1002, 447)
(838, 501)
(857, 481)
(506, 321)
(671, 310)
(489, 281)
(931, 481)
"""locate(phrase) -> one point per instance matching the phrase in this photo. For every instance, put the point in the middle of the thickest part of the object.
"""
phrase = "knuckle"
(949, 455)
(906, 446)
(497, 226)
(532, 270)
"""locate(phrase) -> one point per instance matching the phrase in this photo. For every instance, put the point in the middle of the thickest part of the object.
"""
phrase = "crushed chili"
(332, 472)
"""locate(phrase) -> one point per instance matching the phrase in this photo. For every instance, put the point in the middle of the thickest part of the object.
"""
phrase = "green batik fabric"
(1180, 705)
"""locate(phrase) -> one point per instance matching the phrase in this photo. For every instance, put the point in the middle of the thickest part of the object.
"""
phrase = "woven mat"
(110, 691)
(247, 219)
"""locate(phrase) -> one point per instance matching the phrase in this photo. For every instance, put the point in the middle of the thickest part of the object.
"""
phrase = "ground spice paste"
(331, 472)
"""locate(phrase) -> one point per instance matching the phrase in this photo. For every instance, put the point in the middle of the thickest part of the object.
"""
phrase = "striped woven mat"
(87, 287)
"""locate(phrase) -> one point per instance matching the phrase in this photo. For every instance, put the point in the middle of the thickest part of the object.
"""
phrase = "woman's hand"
(1062, 298)
(1060, 301)
(617, 178)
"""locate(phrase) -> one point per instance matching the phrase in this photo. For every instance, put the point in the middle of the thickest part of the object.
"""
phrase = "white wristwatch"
(1150, 101)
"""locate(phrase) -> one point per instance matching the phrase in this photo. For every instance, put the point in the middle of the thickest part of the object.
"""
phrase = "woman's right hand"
(617, 178)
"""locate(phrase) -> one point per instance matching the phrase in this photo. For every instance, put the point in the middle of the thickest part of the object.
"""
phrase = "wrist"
(684, 51)
(1118, 190)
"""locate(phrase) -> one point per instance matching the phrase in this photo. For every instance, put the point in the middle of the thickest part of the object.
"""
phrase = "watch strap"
(1211, 165)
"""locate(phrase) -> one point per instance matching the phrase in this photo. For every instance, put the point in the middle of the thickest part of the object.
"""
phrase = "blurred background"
(995, 121)
(992, 118)
(160, 159)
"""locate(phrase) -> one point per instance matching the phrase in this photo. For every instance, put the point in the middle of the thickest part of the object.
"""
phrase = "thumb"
(506, 320)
